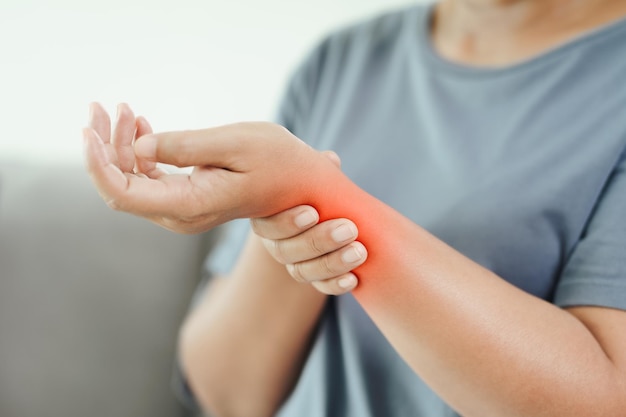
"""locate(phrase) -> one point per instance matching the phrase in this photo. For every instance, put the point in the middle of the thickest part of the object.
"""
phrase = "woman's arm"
(248, 337)
(243, 346)
(488, 348)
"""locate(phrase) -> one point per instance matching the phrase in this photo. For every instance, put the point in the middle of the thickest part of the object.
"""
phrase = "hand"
(241, 170)
(118, 144)
(322, 254)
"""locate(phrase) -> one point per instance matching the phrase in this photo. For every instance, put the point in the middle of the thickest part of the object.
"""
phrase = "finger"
(333, 157)
(319, 240)
(100, 122)
(107, 177)
(127, 192)
(148, 168)
(143, 127)
(285, 224)
(337, 286)
(122, 138)
(329, 266)
(218, 146)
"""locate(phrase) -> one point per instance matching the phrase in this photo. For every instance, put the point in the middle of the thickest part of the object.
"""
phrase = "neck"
(499, 32)
(489, 17)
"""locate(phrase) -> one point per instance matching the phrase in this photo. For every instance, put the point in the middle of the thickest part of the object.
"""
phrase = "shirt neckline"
(423, 15)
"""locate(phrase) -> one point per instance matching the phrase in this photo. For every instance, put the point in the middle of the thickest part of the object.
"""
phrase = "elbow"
(216, 382)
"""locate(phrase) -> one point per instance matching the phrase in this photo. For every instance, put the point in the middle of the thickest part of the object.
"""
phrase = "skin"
(264, 318)
(248, 339)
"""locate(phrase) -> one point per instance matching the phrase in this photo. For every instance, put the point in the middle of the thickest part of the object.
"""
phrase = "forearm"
(242, 348)
(485, 346)
(488, 348)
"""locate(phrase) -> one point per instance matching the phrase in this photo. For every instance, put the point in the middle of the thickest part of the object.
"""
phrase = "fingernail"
(344, 233)
(352, 255)
(146, 147)
(306, 218)
(347, 282)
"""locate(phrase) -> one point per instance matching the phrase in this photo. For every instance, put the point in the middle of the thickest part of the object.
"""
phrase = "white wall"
(183, 64)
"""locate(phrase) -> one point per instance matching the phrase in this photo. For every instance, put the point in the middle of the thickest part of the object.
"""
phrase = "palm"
(116, 170)
(241, 170)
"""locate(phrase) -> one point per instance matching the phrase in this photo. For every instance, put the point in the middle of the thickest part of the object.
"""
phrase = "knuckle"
(256, 225)
(272, 127)
(281, 129)
(277, 250)
(168, 223)
(295, 270)
(273, 227)
(328, 270)
(114, 204)
(182, 225)
(314, 246)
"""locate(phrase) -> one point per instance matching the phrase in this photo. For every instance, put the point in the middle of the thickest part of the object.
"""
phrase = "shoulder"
(363, 39)
(344, 55)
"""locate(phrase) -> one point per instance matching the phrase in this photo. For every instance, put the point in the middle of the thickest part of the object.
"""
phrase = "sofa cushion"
(90, 299)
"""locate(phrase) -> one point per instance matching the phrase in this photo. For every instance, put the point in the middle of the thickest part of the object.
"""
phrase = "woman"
(498, 128)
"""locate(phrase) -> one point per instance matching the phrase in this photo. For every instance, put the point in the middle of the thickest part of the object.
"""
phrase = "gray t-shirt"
(521, 168)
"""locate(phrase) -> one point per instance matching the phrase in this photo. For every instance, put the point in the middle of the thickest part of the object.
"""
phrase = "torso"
(499, 163)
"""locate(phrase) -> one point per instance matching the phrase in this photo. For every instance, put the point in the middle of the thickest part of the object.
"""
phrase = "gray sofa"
(90, 300)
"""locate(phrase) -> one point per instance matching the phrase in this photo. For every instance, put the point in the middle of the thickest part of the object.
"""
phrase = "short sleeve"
(223, 257)
(595, 274)
(181, 389)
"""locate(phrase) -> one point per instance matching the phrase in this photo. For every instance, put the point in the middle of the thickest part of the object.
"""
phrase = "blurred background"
(183, 64)
(90, 299)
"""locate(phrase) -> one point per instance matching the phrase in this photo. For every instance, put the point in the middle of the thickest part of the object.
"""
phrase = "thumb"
(217, 146)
